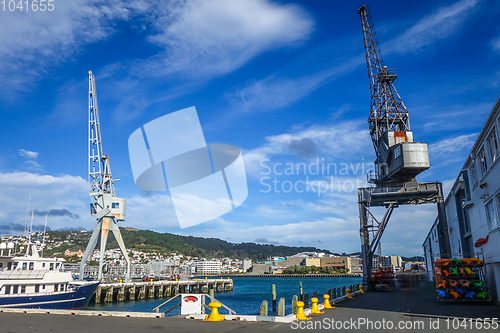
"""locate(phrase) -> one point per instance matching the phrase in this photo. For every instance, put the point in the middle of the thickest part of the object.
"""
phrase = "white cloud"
(214, 37)
(452, 146)
(436, 26)
(31, 43)
(277, 91)
(495, 44)
(333, 142)
(47, 193)
(28, 154)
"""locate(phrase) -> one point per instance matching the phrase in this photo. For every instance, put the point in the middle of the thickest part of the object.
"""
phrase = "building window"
(15, 289)
(32, 265)
(7, 289)
(51, 266)
(491, 216)
(23, 289)
(25, 266)
(493, 144)
(483, 164)
(473, 172)
(43, 265)
(37, 288)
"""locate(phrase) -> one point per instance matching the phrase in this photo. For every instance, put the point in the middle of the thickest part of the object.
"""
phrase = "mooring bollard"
(300, 311)
(214, 315)
(263, 309)
(295, 299)
(301, 295)
(314, 307)
(361, 291)
(327, 303)
(348, 293)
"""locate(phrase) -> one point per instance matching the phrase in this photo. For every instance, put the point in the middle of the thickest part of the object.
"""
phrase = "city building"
(206, 267)
(470, 221)
(69, 253)
(247, 264)
(353, 265)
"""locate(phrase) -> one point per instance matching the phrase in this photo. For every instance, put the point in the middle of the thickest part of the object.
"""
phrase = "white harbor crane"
(105, 206)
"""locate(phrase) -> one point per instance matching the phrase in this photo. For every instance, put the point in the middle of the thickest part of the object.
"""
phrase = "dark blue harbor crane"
(399, 159)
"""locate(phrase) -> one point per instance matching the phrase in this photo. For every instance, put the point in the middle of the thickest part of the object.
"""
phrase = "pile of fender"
(460, 279)
(383, 276)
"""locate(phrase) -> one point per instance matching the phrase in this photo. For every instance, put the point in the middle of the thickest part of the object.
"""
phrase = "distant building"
(312, 262)
(205, 267)
(69, 253)
(247, 264)
(471, 215)
(353, 265)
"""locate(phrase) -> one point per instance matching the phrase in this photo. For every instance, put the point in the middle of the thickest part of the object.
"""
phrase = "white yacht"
(28, 280)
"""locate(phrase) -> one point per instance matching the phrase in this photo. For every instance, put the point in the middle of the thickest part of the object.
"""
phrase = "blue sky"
(285, 81)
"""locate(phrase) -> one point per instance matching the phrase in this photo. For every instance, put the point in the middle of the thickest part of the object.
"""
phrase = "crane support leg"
(118, 236)
(101, 231)
(90, 248)
(391, 196)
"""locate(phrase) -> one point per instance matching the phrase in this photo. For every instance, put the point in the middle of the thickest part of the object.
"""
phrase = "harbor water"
(247, 296)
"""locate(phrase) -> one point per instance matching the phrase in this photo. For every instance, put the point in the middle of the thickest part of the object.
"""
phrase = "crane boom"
(389, 120)
(100, 178)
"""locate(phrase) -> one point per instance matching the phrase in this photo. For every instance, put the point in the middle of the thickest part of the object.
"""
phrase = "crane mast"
(105, 206)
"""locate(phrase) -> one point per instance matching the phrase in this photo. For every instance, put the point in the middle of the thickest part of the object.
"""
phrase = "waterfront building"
(470, 223)
(247, 264)
(207, 267)
(352, 264)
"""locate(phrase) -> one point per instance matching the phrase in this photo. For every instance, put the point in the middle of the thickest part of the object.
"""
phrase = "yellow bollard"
(361, 291)
(300, 311)
(206, 278)
(348, 294)
(221, 278)
(314, 307)
(121, 281)
(327, 303)
(151, 280)
(214, 315)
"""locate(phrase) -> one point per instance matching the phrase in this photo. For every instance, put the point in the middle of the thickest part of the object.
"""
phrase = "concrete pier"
(106, 292)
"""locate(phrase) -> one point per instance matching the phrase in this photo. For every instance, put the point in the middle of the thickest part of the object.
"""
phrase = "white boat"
(28, 280)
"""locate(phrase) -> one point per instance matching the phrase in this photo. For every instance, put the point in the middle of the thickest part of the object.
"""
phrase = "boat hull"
(70, 300)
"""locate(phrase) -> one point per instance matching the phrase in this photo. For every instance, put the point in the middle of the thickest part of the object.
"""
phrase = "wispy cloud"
(332, 142)
(495, 44)
(30, 159)
(452, 146)
(212, 38)
(276, 91)
(33, 43)
(442, 23)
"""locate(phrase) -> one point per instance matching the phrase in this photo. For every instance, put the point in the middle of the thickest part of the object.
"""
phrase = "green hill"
(150, 241)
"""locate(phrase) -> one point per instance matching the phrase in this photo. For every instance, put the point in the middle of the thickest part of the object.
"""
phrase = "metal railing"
(203, 304)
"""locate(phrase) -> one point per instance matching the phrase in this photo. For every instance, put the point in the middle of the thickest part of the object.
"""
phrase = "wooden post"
(343, 291)
(121, 294)
(263, 309)
(329, 293)
(160, 291)
(98, 293)
(295, 299)
(301, 295)
(273, 292)
(306, 300)
(339, 292)
(315, 294)
(151, 293)
(131, 294)
(281, 307)
(109, 295)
